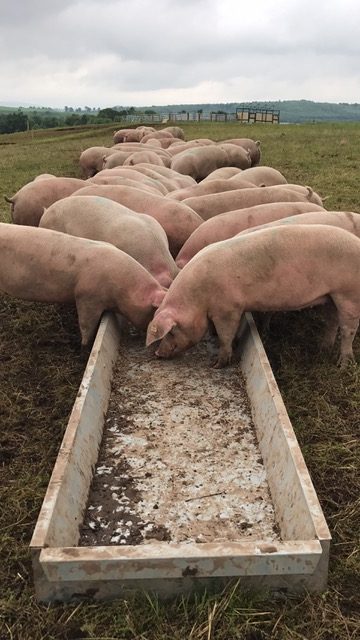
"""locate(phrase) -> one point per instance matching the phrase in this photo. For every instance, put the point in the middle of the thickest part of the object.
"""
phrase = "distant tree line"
(46, 118)
(21, 120)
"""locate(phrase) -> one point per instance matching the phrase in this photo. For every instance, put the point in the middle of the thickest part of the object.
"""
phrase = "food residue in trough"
(179, 460)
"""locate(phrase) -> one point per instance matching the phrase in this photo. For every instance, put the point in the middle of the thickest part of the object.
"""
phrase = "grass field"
(40, 370)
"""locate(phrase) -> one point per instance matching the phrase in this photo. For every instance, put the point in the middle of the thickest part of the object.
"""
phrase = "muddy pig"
(211, 205)
(48, 266)
(91, 160)
(344, 219)
(249, 145)
(148, 157)
(27, 205)
(176, 219)
(229, 224)
(199, 161)
(139, 235)
(263, 176)
(279, 269)
(212, 186)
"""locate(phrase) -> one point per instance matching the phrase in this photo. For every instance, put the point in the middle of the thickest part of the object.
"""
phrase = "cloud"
(117, 52)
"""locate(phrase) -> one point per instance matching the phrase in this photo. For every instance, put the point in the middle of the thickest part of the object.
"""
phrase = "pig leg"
(348, 314)
(348, 329)
(332, 326)
(89, 314)
(226, 326)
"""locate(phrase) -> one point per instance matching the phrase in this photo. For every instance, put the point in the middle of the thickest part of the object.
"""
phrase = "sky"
(103, 53)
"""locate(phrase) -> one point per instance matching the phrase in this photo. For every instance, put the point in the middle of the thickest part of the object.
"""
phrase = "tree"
(11, 122)
(110, 113)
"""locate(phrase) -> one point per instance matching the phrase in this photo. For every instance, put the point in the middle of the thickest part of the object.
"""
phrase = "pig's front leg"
(89, 314)
(226, 325)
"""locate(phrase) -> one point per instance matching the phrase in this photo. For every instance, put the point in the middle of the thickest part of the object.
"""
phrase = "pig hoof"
(219, 363)
(344, 360)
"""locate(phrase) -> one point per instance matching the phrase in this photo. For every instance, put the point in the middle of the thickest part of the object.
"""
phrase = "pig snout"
(166, 348)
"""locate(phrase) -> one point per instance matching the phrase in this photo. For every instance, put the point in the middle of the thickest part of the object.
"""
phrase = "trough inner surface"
(179, 460)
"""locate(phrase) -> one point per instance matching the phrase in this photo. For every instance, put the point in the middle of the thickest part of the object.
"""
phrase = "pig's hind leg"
(332, 326)
(348, 315)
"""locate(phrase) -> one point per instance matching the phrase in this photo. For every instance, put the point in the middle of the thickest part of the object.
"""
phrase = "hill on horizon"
(291, 111)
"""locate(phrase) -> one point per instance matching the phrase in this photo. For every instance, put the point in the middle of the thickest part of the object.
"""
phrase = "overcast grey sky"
(145, 52)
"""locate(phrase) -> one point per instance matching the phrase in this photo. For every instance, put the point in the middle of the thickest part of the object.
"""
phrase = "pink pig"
(278, 269)
(48, 266)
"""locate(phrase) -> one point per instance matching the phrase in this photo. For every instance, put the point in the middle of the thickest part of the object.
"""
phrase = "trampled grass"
(40, 370)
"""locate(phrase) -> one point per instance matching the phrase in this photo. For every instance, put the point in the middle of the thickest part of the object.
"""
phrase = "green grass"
(41, 368)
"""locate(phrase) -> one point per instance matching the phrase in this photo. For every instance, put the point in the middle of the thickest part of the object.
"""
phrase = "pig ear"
(158, 329)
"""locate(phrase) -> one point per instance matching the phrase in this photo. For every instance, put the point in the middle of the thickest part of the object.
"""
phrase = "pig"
(213, 186)
(44, 176)
(127, 182)
(127, 146)
(91, 160)
(112, 176)
(145, 170)
(280, 269)
(154, 172)
(165, 143)
(176, 132)
(177, 220)
(176, 148)
(120, 135)
(114, 159)
(148, 157)
(181, 180)
(111, 162)
(200, 161)
(264, 176)
(229, 224)
(145, 129)
(120, 159)
(154, 142)
(96, 218)
(236, 156)
(249, 145)
(156, 135)
(215, 203)
(304, 191)
(128, 135)
(27, 205)
(49, 266)
(344, 219)
(224, 173)
(134, 135)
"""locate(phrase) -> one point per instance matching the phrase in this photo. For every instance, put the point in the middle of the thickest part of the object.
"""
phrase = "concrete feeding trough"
(173, 477)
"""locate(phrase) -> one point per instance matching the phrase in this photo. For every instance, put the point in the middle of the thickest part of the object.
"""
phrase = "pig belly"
(290, 305)
(29, 281)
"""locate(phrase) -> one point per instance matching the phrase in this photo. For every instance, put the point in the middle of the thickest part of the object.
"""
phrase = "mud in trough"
(179, 460)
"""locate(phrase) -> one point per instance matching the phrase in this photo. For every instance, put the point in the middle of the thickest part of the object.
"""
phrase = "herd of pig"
(181, 238)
